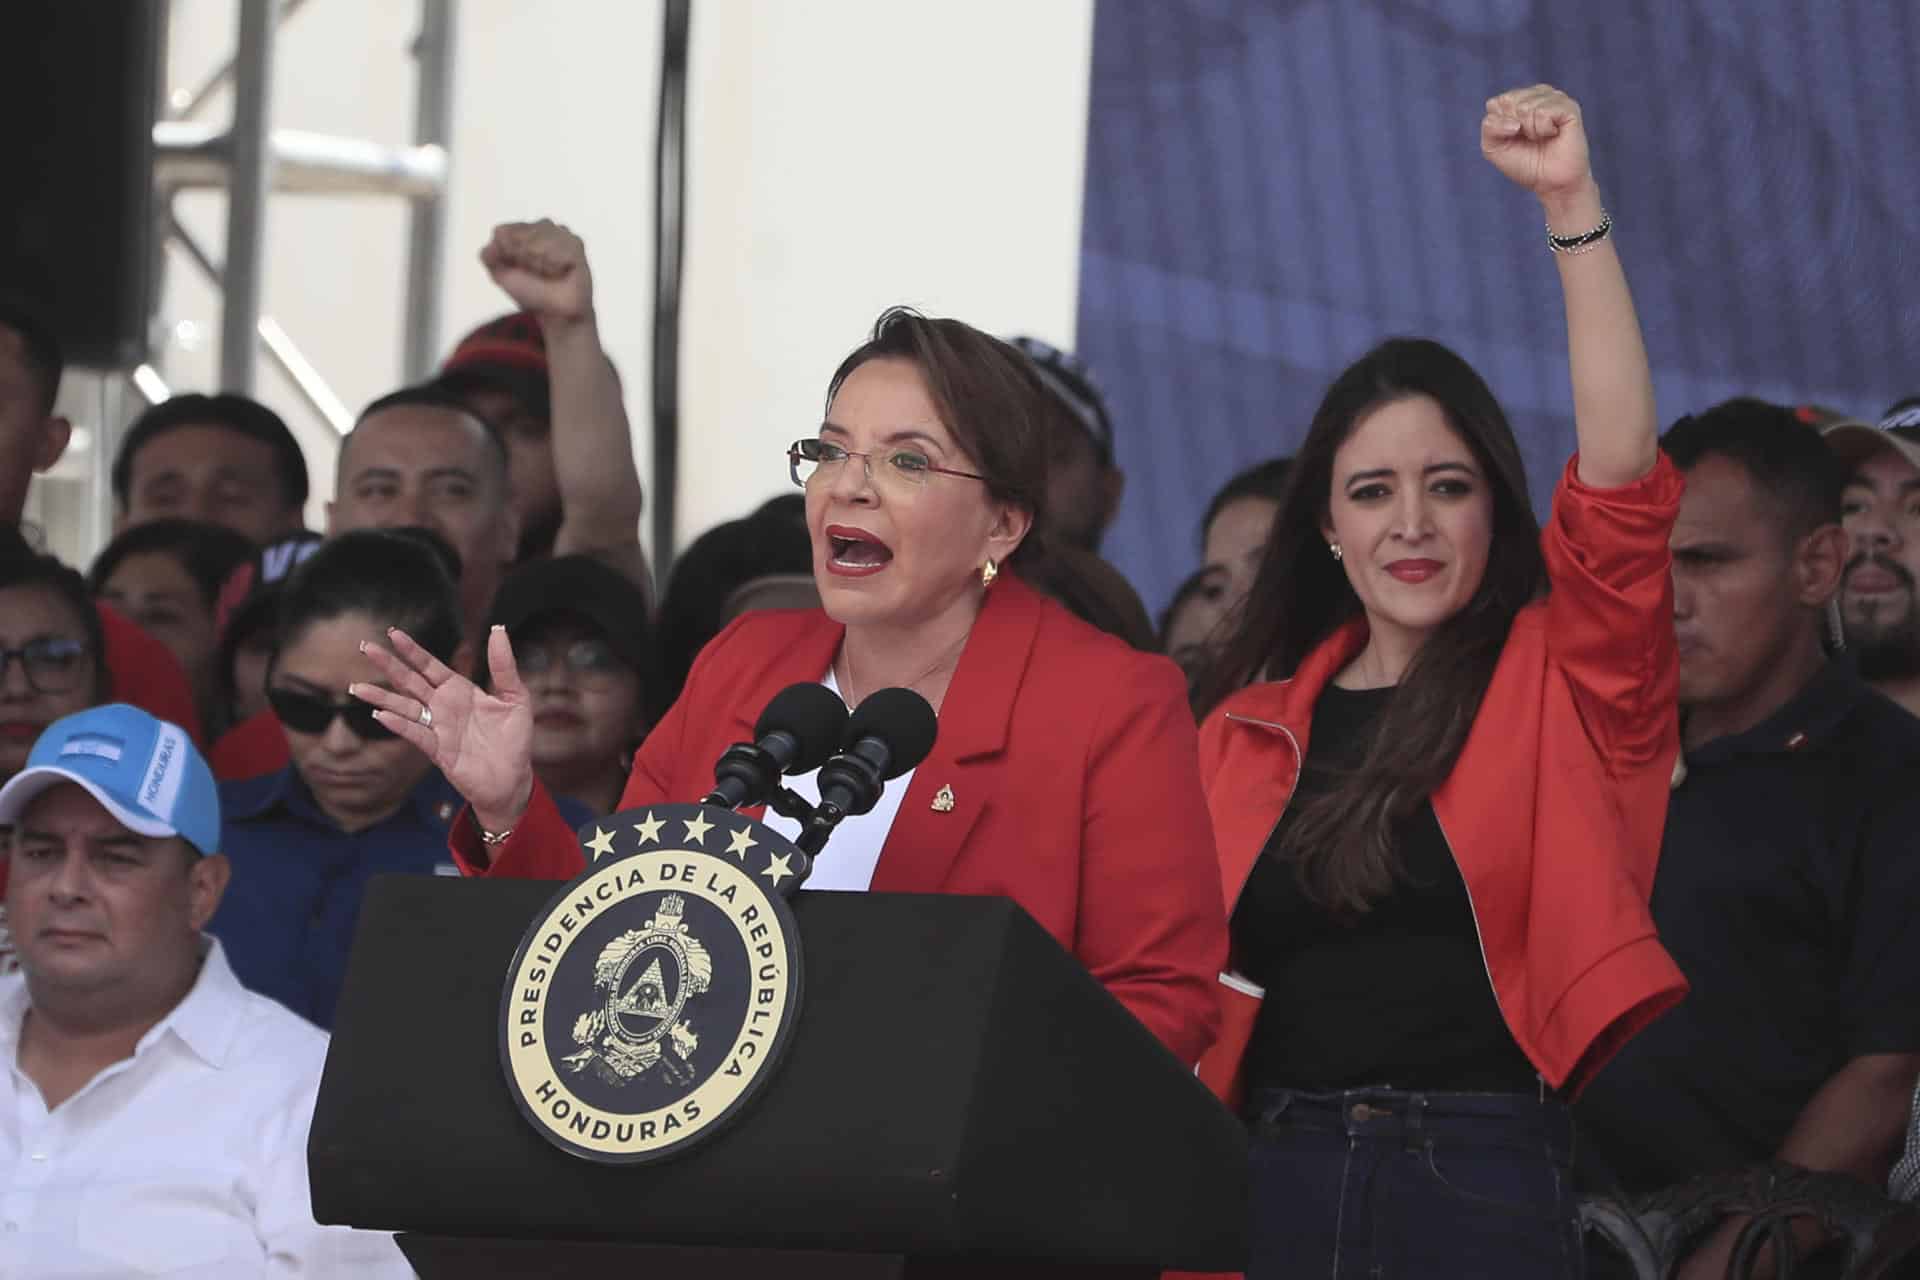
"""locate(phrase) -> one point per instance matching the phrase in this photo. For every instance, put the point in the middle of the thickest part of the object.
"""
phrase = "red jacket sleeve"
(1152, 927)
(1610, 607)
(542, 846)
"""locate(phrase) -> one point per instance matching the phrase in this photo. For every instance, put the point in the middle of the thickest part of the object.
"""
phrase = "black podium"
(959, 1096)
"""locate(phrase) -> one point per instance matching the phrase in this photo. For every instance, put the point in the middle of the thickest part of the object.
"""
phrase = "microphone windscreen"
(900, 718)
(815, 717)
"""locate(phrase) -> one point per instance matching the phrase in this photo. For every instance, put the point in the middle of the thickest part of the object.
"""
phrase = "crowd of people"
(1544, 856)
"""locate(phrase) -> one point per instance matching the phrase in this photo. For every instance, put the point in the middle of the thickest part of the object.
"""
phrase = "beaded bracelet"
(1585, 241)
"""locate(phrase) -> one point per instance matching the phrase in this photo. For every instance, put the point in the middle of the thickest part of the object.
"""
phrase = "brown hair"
(1341, 841)
(988, 396)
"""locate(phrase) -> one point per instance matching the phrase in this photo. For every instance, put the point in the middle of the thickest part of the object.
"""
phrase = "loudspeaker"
(77, 89)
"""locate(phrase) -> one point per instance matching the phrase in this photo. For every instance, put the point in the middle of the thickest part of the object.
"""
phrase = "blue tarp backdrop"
(1273, 187)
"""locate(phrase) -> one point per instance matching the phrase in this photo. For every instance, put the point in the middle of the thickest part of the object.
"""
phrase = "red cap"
(507, 352)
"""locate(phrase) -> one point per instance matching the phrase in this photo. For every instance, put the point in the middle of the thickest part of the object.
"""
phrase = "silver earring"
(1335, 548)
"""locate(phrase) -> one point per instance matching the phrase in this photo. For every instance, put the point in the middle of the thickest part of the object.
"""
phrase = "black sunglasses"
(310, 713)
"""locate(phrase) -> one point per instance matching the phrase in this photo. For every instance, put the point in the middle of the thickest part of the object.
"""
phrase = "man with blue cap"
(153, 1113)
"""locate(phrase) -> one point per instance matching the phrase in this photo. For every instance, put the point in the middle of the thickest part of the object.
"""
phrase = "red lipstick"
(855, 553)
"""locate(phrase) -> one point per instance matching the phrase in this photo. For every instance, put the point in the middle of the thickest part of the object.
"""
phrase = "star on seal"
(697, 827)
(601, 844)
(742, 840)
(778, 868)
(649, 828)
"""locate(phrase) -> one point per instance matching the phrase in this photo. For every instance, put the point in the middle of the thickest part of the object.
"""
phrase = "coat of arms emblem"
(656, 992)
(639, 1026)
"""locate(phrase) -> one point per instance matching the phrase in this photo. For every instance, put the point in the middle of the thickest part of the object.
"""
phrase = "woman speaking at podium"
(1065, 770)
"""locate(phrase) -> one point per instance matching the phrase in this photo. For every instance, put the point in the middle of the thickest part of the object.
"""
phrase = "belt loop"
(1413, 1134)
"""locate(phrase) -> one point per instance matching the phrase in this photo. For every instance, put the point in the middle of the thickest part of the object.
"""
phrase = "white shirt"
(848, 861)
(188, 1159)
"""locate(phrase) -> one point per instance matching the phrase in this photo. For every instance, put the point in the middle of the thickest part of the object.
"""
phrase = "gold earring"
(1335, 548)
(988, 572)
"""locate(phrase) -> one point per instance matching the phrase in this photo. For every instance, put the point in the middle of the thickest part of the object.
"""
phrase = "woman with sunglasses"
(1064, 774)
(356, 800)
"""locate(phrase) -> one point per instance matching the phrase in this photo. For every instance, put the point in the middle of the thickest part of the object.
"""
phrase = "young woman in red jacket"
(1438, 796)
(1065, 773)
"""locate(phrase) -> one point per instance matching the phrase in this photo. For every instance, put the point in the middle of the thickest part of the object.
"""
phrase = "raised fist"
(1534, 136)
(542, 266)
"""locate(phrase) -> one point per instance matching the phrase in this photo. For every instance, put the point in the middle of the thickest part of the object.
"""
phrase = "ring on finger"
(426, 717)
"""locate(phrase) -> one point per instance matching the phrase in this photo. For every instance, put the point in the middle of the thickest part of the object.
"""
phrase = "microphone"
(891, 733)
(800, 728)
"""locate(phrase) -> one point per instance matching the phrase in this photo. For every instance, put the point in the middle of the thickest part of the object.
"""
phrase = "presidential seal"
(653, 996)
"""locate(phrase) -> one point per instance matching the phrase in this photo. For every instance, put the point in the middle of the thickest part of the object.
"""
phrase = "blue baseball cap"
(145, 771)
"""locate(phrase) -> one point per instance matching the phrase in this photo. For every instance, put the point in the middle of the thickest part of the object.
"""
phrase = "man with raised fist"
(542, 378)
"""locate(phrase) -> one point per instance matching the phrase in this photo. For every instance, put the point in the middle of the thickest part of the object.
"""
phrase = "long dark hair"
(1341, 841)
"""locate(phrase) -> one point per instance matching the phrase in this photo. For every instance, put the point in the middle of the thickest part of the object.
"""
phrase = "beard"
(1885, 643)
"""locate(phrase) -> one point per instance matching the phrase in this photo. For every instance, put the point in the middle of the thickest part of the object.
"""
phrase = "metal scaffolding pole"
(249, 179)
(427, 230)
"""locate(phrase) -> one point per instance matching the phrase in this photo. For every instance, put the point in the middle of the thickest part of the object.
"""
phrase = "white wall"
(845, 155)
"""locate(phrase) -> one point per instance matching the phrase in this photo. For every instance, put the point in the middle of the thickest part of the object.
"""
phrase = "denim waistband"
(1521, 1120)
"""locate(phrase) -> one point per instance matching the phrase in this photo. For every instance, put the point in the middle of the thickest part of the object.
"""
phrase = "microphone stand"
(784, 802)
(818, 828)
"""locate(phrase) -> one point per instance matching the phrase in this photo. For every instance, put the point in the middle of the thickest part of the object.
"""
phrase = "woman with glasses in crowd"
(1438, 799)
(1064, 773)
(587, 656)
(356, 801)
(52, 657)
(52, 662)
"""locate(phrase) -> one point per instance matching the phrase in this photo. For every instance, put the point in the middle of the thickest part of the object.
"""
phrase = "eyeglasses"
(902, 470)
(53, 664)
(587, 658)
(310, 713)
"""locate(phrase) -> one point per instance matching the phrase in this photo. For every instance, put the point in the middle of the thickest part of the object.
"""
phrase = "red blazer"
(1554, 809)
(1074, 772)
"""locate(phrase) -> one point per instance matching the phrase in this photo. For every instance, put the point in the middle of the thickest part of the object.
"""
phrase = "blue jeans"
(1391, 1185)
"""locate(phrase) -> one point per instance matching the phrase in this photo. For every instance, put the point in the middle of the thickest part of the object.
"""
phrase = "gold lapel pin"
(943, 800)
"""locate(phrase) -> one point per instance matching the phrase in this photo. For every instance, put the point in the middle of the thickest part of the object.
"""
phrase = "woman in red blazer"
(1065, 773)
(1438, 799)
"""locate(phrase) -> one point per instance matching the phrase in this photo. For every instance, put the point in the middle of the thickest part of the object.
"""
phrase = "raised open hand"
(482, 742)
(1535, 137)
(542, 266)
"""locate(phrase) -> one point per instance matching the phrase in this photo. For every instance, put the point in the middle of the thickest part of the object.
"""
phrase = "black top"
(1789, 894)
(1398, 996)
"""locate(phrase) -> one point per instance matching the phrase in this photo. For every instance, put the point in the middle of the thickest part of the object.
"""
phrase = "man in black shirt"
(1790, 877)
(1789, 880)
